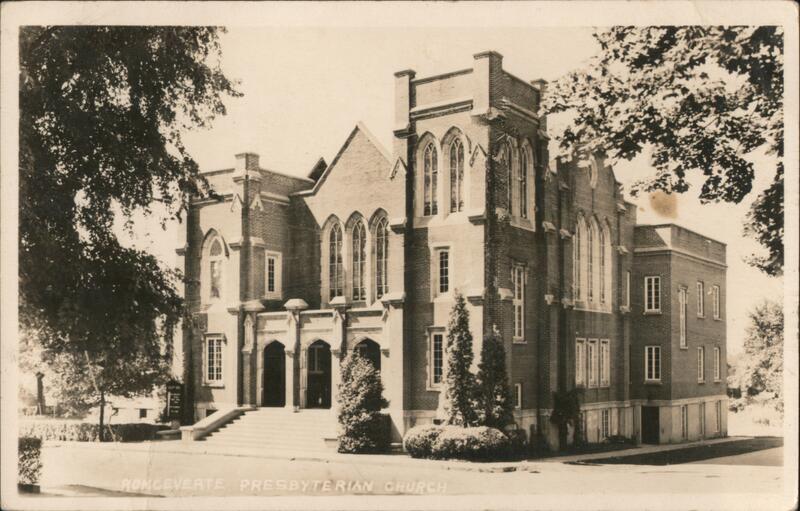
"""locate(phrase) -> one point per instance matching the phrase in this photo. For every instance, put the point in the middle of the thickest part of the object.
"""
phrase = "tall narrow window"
(702, 420)
(577, 240)
(718, 410)
(652, 363)
(652, 294)
(431, 175)
(605, 423)
(518, 396)
(602, 256)
(524, 162)
(590, 260)
(701, 364)
(214, 359)
(444, 271)
(518, 277)
(456, 176)
(593, 363)
(717, 374)
(359, 261)
(272, 285)
(437, 358)
(684, 422)
(381, 258)
(701, 299)
(508, 164)
(335, 270)
(682, 315)
(715, 301)
(605, 363)
(580, 362)
(216, 256)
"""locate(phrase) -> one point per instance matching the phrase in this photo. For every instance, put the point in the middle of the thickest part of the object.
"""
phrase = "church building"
(286, 273)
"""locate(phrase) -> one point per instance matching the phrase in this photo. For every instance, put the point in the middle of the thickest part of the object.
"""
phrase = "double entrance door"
(317, 372)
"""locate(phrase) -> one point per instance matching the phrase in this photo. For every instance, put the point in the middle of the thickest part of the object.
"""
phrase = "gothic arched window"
(524, 162)
(335, 269)
(359, 261)
(456, 176)
(431, 176)
(381, 257)
(216, 261)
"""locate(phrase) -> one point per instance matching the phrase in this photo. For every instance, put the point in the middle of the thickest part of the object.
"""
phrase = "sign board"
(174, 400)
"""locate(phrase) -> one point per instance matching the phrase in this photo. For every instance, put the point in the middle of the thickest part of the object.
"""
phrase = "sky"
(306, 88)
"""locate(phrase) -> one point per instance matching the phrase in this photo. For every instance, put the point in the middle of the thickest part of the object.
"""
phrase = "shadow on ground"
(691, 454)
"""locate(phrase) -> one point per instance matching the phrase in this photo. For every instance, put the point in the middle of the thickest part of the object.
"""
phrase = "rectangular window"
(719, 416)
(437, 358)
(214, 347)
(684, 421)
(717, 375)
(701, 299)
(715, 301)
(272, 274)
(518, 396)
(142, 413)
(518, 277)
(605, 363)
(593, 363)
(444, 271)
(682, 315)
(652, 293)
(580, 362)
(702, 419)
(628, 289)
(701, 369)
(605, 423)
(652, 363)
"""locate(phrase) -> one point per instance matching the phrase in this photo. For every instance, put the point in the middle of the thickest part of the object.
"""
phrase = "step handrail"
(211, 423)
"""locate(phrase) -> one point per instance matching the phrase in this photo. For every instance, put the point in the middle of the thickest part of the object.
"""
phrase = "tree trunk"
(100, 434)
(40, 404)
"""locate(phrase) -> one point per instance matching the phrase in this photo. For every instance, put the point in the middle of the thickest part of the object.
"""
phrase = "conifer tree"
(363, 428)
(459, 382)
(495, 408)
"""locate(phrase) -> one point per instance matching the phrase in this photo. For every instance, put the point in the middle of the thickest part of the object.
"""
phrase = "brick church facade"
(285, 274)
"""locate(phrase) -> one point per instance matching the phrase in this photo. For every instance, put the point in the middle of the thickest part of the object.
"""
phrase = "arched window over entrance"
(318, 374)
(274, 384)
(370, 350)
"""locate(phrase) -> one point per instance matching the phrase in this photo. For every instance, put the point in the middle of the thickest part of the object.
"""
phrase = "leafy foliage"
(495, 408)
(701, 98)
(760, 368)
(459, 382)
(101, 115)
(77, 431)
(363, 427)
(29, 466)
(567, 412)
(419, 440)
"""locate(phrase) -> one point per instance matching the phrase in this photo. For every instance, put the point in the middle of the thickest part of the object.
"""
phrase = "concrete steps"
(279, 430)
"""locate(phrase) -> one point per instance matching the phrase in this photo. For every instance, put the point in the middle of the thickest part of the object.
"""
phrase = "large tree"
(458, 399)
(701, 99)
(102, 110)
(495, 408)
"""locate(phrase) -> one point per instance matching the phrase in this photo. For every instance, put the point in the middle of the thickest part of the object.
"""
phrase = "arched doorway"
(274, 375)
(370, 350)
(318, 371)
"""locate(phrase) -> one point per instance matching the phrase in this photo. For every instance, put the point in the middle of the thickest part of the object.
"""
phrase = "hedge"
(30, 464)
(456, 442)
(74, 431)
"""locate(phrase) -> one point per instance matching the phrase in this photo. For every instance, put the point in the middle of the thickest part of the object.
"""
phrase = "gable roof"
(372, 140)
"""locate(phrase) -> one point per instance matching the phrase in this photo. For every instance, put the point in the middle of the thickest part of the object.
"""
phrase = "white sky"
(305, 88)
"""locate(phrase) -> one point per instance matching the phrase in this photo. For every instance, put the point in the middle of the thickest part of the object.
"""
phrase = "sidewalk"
(176, 446)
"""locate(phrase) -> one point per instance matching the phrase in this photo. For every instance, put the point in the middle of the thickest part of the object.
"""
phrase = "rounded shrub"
(517, 443)
(30, 464)
(478, 444)
(363, 428)
(419, 440)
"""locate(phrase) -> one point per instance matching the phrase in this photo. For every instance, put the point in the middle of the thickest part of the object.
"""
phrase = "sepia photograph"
(399, 255)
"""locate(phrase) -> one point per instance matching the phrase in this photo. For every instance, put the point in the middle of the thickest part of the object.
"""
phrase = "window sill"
(214, 385)
(519, 340)
(653, 382)
(430, 388)
(272, 296)
(684, 348)
(652, 313)
(701, 382)
(522, 223)
(701, 316)
(717, 381)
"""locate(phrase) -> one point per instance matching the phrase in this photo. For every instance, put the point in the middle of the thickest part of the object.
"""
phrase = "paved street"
(158, 472)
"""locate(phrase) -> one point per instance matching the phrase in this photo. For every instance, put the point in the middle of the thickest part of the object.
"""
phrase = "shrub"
(363, 427)
(74, 431)
(419, 440)
(495, 408)
(479, 443)
(517, 443)
(30, 464)
(458, 397)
